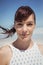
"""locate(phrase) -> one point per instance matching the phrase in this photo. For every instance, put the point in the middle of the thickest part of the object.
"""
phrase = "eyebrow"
(26, 22)
(30, 21)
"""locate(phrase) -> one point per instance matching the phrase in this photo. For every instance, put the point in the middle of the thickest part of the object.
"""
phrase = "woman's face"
(25, 28)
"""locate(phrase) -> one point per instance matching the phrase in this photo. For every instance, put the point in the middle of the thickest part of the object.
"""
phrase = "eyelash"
(27, 24)
(19, 24)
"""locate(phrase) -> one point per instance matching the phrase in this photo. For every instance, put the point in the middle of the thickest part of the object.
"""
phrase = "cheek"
(31, 29)
(19, 31)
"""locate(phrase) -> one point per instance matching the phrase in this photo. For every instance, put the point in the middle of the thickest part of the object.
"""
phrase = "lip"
(25, 35)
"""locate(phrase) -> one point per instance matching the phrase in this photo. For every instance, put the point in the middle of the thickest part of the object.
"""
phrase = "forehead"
(29, 19)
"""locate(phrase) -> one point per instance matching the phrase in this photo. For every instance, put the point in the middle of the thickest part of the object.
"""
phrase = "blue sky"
(9, 7)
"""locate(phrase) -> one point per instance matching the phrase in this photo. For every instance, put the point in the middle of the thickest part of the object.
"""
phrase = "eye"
(20, 24)
(29, 24)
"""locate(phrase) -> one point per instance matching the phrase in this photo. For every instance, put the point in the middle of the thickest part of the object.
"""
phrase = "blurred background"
(7, 12)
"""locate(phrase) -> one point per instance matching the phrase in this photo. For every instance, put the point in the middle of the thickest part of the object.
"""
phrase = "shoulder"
(4, 49)
(41, 48)
(5, 54)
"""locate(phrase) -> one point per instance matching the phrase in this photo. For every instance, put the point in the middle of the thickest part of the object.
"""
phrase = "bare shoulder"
(41, 48)
(5, 54)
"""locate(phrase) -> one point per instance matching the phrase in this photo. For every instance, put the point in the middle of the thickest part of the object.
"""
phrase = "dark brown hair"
(21, 14)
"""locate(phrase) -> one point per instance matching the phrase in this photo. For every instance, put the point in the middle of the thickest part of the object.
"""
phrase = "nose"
(24, 28)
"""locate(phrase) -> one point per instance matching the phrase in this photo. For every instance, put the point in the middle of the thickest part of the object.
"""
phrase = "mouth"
(24, 35)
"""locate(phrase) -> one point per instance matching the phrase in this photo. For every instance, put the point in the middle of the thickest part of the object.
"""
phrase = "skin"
(24, 31)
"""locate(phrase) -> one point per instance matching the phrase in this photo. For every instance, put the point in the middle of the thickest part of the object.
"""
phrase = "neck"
(23, 45)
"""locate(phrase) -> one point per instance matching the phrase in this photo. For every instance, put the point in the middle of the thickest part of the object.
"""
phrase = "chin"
(25, 39)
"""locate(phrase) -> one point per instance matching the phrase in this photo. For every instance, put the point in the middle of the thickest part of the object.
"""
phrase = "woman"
(23, 51)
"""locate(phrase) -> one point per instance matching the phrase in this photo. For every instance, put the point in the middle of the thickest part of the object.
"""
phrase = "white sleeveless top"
(27, 57)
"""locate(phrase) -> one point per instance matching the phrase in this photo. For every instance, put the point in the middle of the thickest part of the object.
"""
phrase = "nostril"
(24, 33)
